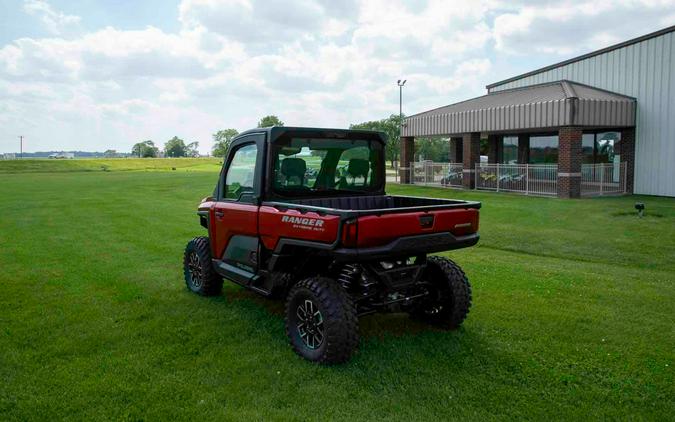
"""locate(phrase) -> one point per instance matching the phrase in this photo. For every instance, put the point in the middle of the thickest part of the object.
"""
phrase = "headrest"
(358, 167)
(293, 167)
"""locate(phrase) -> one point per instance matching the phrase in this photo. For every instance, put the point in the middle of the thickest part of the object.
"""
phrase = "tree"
(191, 149)
(175, 147)
(269, 121)
(145, 149)
(390, 127)
(221, 141)
(110, 153)
(434, 149)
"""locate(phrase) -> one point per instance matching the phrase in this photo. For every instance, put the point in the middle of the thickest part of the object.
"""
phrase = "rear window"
(309, 165)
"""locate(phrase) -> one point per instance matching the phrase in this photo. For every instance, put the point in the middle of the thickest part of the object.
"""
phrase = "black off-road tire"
(200, 276)
(340, 324)
(450, 294)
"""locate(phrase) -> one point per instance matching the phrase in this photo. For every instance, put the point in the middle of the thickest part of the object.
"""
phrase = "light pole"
(400, 105)
(400, 114)
(20, 147)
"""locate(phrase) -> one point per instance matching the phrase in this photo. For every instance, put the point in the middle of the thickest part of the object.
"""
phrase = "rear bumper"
(408, 246)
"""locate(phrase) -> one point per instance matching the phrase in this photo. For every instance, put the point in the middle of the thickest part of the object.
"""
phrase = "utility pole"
(21, 147)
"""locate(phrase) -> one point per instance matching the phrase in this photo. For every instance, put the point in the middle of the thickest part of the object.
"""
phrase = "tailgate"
(378, 230)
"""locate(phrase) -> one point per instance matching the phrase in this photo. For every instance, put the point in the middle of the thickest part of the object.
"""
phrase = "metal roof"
(585, 56)
(544, 106)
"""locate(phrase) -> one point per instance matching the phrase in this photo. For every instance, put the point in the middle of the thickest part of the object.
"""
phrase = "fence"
(436, 174)
(530, 179)
(603, 179)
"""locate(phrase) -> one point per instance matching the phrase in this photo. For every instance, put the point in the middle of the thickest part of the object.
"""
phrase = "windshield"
(307, 165)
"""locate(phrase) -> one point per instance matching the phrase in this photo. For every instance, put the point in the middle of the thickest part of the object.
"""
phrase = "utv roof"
(276, 132)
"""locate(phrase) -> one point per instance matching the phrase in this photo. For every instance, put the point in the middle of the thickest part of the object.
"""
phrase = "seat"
(359, 167)
(293, 170)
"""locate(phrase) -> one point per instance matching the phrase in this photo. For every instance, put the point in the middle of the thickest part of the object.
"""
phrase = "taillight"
(349, 233)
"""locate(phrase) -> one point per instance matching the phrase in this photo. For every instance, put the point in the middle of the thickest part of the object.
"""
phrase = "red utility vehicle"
(301, 214)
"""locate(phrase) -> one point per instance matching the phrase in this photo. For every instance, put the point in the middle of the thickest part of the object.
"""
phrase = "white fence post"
(498, 176)
(527, 179)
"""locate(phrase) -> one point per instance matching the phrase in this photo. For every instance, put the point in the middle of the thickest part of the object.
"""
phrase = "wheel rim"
(310, 324)
(195, 269)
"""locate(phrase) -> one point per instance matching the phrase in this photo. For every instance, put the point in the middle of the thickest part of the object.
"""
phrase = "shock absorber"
(348, 276)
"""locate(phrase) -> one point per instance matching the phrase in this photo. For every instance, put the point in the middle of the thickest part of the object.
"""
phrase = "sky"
(104, 74)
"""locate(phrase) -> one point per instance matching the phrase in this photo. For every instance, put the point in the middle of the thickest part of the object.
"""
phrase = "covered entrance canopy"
(563, 108)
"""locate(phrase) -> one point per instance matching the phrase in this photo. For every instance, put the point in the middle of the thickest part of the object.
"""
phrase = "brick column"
(452, 150)
(627, 151)
(570, 157)
(471, 156)
(455, 154)
(523, 148)
(493, 148)
(407, 157)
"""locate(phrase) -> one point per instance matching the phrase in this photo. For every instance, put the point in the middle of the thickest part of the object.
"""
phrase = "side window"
(241, 172)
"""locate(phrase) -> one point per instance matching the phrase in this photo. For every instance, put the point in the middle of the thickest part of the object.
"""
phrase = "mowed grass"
(110, 164)
(573, 316)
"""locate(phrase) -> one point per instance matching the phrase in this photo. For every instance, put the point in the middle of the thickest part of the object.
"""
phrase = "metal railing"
(603, 179)
(429, 173)
(530, 179)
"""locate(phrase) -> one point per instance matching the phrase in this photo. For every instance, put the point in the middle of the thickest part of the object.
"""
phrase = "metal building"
(622, 96)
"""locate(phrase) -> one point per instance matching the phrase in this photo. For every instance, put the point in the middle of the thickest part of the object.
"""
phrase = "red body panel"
(271, 224)
(376, 230)
(229, 219)
(292, 224)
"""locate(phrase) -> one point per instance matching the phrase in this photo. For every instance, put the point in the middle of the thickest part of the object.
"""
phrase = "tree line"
(177, 147)
(430, 149)
(174, 147)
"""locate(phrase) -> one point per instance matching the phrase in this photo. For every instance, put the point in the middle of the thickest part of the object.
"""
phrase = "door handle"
(220, 214)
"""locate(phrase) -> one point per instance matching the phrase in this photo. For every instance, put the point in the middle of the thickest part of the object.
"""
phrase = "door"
(235, 239)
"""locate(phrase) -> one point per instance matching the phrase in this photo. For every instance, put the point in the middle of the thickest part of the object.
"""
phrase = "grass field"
(573, 315)
(113, 164)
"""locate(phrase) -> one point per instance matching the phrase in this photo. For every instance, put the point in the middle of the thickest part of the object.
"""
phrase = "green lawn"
(573, 315)
(109, 164)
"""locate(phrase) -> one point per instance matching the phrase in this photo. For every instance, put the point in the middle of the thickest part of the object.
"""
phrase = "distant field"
(572, 318)
(109, 164)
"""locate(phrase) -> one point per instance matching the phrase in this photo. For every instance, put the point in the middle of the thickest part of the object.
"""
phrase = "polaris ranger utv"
(301, 214)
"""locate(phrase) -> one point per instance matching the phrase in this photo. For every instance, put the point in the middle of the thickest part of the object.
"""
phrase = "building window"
(544, 149)
(588, 148)
(509, 150)
(600, 147)
(604, 146)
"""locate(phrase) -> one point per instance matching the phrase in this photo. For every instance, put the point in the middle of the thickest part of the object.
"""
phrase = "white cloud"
(570, 27)
(312, 62)
(54, 21)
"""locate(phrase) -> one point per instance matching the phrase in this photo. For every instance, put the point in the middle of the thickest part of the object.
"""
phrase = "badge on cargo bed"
(305, 223)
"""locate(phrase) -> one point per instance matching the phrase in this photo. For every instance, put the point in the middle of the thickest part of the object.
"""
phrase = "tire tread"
(340, 320)
(212, 284)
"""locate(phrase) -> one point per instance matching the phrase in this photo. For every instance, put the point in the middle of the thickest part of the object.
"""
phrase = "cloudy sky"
(99, 74)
